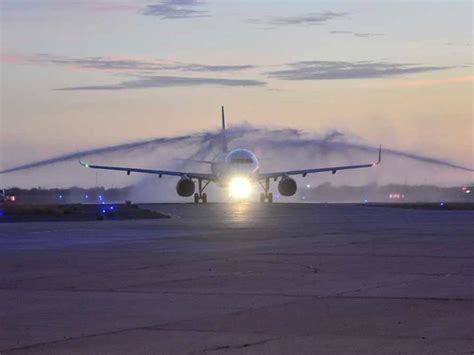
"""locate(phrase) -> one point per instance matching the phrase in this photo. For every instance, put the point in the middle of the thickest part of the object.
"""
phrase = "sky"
(78, 75)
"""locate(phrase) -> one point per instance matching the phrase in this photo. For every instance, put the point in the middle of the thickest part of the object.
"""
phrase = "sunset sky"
(82, 74)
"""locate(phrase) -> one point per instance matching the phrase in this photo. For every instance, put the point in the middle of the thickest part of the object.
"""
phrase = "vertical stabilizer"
(223, 118)
(223, 137)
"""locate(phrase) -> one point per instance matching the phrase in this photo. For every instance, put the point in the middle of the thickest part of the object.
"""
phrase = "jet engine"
(185, 187)
(287, 186)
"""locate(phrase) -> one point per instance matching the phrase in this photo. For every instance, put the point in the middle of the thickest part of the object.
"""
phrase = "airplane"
(237, 170)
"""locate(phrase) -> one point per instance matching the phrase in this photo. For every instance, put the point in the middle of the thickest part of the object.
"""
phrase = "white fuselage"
(238, 162)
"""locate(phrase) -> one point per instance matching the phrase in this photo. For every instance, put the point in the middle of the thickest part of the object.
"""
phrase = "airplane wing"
(209, 177)
(332, 169)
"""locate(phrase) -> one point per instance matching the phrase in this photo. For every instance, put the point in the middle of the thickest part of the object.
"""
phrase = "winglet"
(83, 164)
(223, 137)
(379, 160)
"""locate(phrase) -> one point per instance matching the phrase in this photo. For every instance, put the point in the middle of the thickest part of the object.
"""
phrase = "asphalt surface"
(253, 279)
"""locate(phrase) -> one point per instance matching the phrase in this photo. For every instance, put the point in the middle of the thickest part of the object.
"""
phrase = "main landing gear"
(201, 196)
(266, 195)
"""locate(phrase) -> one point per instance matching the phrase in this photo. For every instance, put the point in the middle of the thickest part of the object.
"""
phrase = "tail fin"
(223, 118)
(223, 137)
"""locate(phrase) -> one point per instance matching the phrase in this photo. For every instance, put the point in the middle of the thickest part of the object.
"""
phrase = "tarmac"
(241, 278)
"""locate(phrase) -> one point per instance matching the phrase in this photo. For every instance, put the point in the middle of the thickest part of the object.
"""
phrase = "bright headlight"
(240, 187)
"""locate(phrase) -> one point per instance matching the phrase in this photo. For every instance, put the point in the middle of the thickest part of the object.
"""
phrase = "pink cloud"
(116, 7)
(15, 58)
(432, 82)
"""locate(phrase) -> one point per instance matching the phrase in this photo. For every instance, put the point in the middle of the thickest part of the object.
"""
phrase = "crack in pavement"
(168, 326)
(312, 268)
(250, 294)
(155, 327)
(109, 271)
(235, 347)
(448, 299)
(369, 255)
(380, 285)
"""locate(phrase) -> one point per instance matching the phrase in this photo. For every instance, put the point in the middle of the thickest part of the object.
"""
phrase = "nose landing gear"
(201, 196)
(266, 196)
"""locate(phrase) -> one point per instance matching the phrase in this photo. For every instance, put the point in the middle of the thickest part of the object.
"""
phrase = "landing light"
(240, 188)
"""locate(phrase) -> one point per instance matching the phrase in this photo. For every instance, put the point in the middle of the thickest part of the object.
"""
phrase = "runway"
(243, 278)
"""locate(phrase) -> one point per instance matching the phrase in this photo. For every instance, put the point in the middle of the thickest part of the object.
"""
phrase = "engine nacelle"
(287, 186)
(185, 187)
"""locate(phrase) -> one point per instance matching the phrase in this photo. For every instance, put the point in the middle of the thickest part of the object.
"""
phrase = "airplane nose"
(240, 170)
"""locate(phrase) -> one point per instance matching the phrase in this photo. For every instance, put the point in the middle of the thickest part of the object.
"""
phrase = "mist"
(277, 149)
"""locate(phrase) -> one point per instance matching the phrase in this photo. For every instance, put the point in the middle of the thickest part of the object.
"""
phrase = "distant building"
(396, 196)
(6, 198)
(468, 192)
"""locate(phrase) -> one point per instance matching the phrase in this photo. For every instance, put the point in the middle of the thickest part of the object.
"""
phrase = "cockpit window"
(241, 161)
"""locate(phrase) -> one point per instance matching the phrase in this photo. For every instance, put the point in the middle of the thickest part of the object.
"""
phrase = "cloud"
(120, 63)
(467, 44)
(15, 58)
(167, 81)
(338, 70)
(210, 68)
(176, 9)
(359, 34)
(433, 82)
(311, 19)
(144, 72)
(341, 32)
(103, 63)
(356, 34)
(113, 7)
